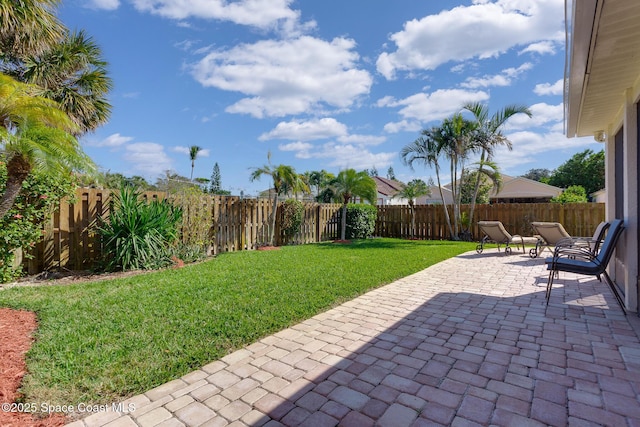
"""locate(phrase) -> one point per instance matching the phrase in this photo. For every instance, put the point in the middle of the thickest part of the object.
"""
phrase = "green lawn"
(103, 341)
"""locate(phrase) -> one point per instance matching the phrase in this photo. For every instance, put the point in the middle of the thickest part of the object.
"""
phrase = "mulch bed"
(16, 329)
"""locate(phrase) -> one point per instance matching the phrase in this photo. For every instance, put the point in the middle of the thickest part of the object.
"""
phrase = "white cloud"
(541, 48)
(549, 88)
(286, 76)
(354, 156)
(302, 149)
(204, 152)
(527, 145)
(403, 126)
(505, 78)
(424, 107)
(482, 30)
(147, 158)
(542, 115)
(306, 130)
(112, 141)
(265, 14)
(104, 4)
(362, 139)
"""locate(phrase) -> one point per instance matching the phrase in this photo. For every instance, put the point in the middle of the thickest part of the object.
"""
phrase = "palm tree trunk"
(18, 169)
(476, 189)
(444, 203)
(413, 221)
(274, 212)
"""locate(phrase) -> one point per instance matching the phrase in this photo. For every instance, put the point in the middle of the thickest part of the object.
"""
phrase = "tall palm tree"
(283, 177)
(34, 132)
(488, 136)
(28, 27)
(348, 184)
(414, 189)
(457, 145)
(427, 150)
(193, 155)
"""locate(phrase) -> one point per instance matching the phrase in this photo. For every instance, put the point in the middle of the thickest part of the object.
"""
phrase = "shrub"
(361, 221)
(573, 194)
(22, 226)
(196, 228)
(139, 234)
(291, 218)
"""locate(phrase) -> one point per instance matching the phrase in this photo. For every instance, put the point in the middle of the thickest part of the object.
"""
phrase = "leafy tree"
(427, 150)
(193, 155)
(391, 174)
(371, 172)
(488, 136)
(585, 168)
(320, 180)
(573, 194)
(540, 175)
(282, 176)
(173, 183)
(348, 184)
(414, 189)
(34, 133)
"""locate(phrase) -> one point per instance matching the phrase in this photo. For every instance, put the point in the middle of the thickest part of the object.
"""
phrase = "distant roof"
(387, 187)
(521, 187)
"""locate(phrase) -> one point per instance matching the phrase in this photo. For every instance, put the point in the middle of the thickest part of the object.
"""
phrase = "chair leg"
(615, 291)
(549, 284)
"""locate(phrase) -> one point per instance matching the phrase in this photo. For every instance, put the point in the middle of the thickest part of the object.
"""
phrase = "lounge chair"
(549, 234)
(575, 246)
(494, 232)
(588, 264)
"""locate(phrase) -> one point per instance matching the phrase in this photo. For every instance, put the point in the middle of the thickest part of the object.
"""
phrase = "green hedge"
(361, 221)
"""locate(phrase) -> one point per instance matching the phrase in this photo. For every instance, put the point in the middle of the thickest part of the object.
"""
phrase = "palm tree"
(455, 138)
(283, 177)
(193, 155)
(414, 189)
(427, 150)
(348, 184)
(72, 73)
(34, 132)
(29, 27)
(488, 135)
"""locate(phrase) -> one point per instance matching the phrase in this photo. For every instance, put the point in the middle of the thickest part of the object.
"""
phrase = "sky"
(319, 84)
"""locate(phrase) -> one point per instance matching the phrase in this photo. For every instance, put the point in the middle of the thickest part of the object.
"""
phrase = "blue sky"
(320, 84)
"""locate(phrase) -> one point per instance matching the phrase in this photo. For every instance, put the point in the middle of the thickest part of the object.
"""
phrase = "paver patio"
(466, 342)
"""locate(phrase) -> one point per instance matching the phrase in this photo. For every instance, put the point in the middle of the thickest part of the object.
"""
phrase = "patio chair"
(575, 246)
(549, 234)
(494, 232)
(588, 264)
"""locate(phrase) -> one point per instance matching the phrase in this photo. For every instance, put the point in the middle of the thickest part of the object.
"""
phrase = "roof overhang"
(604, 63)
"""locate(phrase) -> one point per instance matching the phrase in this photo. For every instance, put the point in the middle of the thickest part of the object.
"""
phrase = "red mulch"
(268, 248)
(16, 327)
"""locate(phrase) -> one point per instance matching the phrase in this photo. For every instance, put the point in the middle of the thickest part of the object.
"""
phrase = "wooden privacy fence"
(579, 219)
(70, 239)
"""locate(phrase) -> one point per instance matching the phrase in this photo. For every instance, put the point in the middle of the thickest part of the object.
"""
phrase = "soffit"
(613, 64)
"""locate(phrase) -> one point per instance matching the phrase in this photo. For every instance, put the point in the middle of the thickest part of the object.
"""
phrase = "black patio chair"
(587, 263)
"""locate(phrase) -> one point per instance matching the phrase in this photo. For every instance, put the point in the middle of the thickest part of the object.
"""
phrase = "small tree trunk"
(18, 169)
(475, 191)
(343, 228)
(274, 212)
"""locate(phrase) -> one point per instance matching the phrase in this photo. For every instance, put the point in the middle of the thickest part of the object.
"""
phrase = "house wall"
(625, 268)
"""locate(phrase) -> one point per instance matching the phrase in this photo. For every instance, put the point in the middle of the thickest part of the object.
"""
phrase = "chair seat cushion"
(575, 266)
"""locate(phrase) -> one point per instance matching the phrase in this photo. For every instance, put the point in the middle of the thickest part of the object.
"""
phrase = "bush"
(196, 230)
(22, 226)
(361, 221)
(573, 194)
(139, 234)
(291, 219)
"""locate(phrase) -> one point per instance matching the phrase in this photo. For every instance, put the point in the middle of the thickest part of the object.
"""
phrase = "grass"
(104, 341)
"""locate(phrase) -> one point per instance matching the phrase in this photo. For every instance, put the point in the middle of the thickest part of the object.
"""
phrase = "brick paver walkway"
(465, 342)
